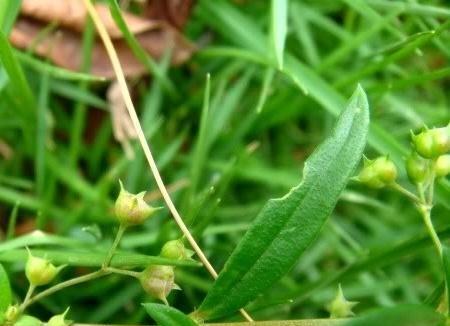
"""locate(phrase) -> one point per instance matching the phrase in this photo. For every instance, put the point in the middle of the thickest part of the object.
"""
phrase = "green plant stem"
(122, 272)
(405, 192)
(25, 302)
(425, 206)
(63, 285)
(111, 252)
(425, 211)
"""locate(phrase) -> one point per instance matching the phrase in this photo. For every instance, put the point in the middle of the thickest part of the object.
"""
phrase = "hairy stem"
(405, 192)
(25, 302)
(146, 148)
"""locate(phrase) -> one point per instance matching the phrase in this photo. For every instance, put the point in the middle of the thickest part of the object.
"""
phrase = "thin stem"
(146, 148)
(111, 252)
(122, 272)
(30, 291)
(425, 211)
(431, 188)
(405, 192)
(63, 285)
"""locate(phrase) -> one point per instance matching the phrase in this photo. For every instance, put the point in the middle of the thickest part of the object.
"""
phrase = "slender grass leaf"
(404, 315)
(92, 258)
(5, 290)
(279, 29)
(446, 261)
(167, 316)
(268, 78)
(9, 10)
(286, 226)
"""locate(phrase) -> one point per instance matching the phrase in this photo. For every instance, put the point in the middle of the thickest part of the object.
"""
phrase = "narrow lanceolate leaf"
(404, 315)
(5, 290)
(446, 260)
(279, 29)
(286, 226)
(167, 316)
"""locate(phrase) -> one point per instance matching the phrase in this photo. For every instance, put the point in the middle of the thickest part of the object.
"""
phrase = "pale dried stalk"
(148, 154)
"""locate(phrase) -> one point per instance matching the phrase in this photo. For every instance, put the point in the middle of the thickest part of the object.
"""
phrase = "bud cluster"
(40, 271)
(378, 173)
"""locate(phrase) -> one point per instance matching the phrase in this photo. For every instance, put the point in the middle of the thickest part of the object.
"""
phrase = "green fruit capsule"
(378, 173)
(432, 143)
(442, 165)
(40, 271)
(175, 249)
(158, 281)
(417, 168)
(131, 209)
(423, 144)
(59, 320)
(339, 307)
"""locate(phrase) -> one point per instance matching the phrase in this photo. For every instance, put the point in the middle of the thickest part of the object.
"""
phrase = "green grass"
(235, 124)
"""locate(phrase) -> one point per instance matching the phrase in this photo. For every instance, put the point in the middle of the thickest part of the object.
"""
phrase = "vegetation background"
(61, 167)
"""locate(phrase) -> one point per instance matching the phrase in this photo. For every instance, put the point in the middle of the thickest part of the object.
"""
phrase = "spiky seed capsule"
(131, 209)
(339, 307)
(40, 271)
(417, 168)
(378, 173)
(175, 249)
(59, 320)
(442, 165)
(158, 281)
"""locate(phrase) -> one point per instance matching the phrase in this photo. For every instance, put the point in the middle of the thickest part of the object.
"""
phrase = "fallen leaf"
(63, 46)
(175, 12)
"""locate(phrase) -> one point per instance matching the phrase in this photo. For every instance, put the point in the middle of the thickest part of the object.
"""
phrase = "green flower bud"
(131, 209)
(59, 320)
(40, 271)
(27, 320)
(378, 173)
(158, 281)
(11, 313)
(417, 168)
(175, 249)
(339, 307)
(442, 165)
(431, 143)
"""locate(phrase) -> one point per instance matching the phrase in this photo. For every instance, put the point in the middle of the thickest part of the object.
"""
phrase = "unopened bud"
(158, 281)
(378, 173)
(59, 320)
(442, 165)
(40, 271)
(340, 307)
(131, 209)
(432, 143)
(175, 249)
(11, 313)
(417, 168)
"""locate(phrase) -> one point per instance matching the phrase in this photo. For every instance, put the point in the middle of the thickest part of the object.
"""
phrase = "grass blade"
(404, 315)
(279, 29)
(5, 290)
(167, 316)
(285, 227)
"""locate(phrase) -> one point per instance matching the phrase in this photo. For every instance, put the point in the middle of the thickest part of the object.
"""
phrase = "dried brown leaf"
(63, 47)
(72, 15)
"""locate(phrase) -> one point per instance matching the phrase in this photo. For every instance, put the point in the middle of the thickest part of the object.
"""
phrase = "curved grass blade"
(286, 226)
(167, 316)
(446, 262)
(5, 290)
(279, 29)
(404, 315)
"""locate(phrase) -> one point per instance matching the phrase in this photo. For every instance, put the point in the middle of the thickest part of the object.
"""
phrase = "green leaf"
(446, 262)
(5, 290)
(167, 316)
(286, 226)
(279, 29)
(404, 315)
